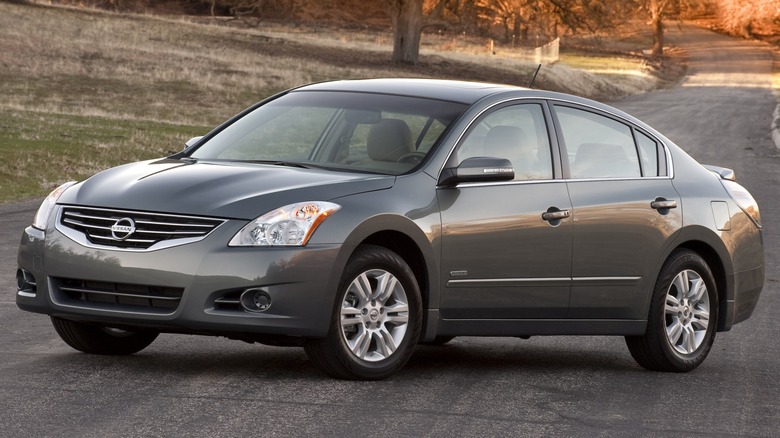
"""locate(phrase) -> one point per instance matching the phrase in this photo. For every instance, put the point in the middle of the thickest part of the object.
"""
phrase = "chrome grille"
(150, 230)
(117, 296)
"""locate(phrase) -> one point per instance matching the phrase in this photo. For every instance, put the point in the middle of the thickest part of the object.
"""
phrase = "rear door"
(624, 211)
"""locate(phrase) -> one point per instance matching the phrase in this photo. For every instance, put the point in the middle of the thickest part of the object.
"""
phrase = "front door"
(501, 259)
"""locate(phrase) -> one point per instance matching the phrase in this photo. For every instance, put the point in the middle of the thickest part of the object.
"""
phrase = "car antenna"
(533, 78)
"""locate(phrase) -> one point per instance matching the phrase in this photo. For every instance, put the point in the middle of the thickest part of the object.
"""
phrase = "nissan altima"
(358, 219)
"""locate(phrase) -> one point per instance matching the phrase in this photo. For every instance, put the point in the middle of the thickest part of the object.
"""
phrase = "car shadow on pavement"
(501, 354)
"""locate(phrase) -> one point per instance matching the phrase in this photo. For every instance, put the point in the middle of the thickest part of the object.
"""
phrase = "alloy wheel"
(374, 315)
(687, 312)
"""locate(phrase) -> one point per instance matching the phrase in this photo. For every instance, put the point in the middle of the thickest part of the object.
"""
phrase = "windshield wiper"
(278, 163)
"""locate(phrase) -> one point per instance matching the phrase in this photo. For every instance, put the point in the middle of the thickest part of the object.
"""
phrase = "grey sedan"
(360, 218)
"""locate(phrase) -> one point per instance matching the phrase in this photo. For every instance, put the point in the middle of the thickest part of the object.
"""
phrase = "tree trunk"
(658, 36)
(656, 8)
(407, 19)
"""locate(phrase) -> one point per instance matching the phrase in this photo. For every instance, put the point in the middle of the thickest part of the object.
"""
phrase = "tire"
(683, 316)
(95, 339)
(376, 319)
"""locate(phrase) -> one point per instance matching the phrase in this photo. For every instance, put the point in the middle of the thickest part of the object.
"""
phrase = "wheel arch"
(405, 247)
(715, 263)
(710, 247)
(415, 246)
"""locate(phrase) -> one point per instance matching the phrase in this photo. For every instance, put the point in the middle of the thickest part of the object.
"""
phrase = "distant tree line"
(748, 18)
(517, 21)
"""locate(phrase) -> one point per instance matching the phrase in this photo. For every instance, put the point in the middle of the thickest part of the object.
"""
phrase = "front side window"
(337, 130)
(597, 146)
(517, 133)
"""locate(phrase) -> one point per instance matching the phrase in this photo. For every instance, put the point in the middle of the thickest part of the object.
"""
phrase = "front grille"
(117, 296)
(142, 230)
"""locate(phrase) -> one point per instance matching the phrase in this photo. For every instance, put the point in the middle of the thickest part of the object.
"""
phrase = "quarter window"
(517, 133)
(648, 152)
(597, 146)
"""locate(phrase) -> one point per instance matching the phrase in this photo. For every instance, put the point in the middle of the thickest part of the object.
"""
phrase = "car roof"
(464, 92)
(438, 89)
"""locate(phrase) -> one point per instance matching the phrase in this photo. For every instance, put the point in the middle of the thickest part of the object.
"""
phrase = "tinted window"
(597, 146)
(339, 130)
(516, 132)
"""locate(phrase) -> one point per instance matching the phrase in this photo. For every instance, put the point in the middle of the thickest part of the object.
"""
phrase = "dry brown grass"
(72, 61)
(138, 67)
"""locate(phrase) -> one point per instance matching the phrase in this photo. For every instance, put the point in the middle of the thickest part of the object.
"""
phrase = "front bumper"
(198, 284)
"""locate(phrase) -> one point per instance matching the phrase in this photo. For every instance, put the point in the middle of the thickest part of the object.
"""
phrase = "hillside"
(91, 89)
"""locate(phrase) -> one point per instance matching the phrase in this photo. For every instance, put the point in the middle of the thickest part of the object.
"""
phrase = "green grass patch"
(40, 151)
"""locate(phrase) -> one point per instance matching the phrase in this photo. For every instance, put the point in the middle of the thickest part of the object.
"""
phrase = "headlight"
(44, 211)
(744, 199)
(291, 225)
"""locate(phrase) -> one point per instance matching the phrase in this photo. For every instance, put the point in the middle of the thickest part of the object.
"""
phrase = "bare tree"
(250, 8)
(548, 18)
(656, 9)
(506, 13)
(407, 19)
(744, 18)
(660, 10)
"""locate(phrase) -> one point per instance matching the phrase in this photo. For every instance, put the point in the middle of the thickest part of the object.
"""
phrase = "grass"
(42, 150)
(85, 90)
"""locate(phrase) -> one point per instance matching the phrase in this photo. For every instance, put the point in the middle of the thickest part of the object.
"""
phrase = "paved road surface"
(568, 386)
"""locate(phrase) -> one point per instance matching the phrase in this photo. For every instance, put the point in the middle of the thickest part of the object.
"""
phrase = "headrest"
(389, 140)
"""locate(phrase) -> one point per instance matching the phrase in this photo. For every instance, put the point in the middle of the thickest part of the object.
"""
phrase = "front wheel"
(683, 316)
(95, 339)
(376, 321)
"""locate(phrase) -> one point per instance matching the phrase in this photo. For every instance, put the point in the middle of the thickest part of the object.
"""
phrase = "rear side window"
(597, 146)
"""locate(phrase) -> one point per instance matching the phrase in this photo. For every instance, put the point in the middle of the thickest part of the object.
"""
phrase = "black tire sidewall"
(94, 339)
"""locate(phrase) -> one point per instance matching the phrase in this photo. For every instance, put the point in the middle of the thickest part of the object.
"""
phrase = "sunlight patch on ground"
(728, 79)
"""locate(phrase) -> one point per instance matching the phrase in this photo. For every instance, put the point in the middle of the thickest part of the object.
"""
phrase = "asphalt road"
(554, 386)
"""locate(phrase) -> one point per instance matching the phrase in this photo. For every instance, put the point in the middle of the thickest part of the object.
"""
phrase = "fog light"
(255, 300)
(25, 283)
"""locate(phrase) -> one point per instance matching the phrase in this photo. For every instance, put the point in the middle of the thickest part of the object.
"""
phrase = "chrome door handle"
(663, 204)
(555, 215)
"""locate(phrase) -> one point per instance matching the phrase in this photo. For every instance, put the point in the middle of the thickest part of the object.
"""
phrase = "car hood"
(219, 189)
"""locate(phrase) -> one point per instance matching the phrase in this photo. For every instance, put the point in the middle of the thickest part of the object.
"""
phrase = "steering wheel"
(411, 157)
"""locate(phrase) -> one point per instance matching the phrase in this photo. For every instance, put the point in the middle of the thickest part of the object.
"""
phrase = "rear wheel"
(683, 316)
(376, 321)
(96, 339)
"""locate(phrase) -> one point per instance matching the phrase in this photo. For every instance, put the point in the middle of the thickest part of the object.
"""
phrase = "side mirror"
(478, 169)
(192, 141)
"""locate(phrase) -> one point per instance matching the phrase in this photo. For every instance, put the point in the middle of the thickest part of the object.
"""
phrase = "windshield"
(341, 130)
